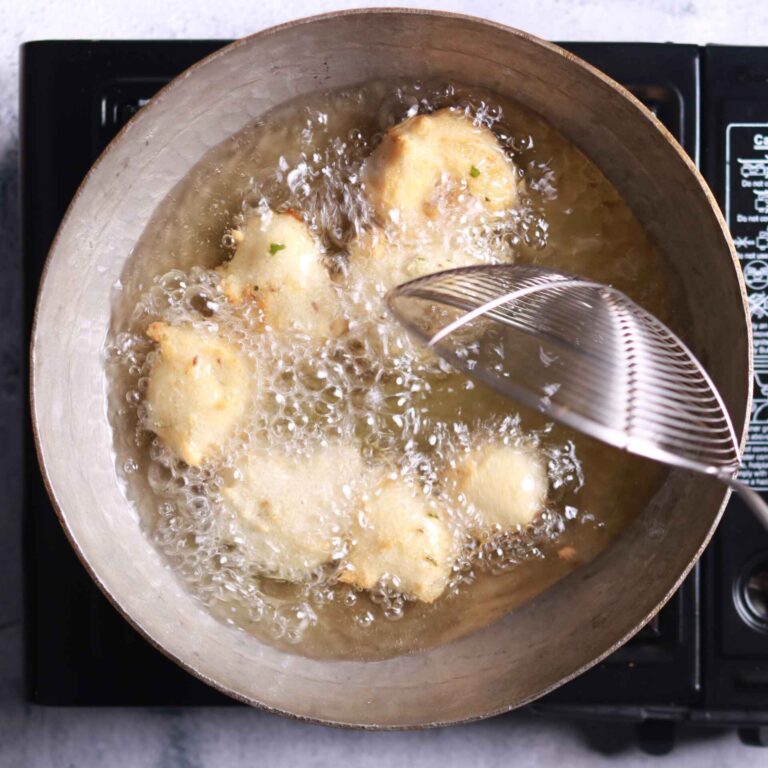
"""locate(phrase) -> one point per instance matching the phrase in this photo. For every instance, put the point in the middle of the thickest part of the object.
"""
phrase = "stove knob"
(751, 593)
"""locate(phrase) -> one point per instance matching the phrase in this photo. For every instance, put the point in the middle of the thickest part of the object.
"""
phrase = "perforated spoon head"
(579, 351)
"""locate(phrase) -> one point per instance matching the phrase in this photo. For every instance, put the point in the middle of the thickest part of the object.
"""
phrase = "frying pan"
(541, 644)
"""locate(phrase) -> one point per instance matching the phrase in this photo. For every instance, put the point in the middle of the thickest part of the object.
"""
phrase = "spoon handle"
(751, 498)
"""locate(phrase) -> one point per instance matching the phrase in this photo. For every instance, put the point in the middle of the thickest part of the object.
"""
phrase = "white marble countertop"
(170, 738)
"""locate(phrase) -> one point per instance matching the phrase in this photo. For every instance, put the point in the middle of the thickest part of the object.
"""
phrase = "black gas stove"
(703, 659)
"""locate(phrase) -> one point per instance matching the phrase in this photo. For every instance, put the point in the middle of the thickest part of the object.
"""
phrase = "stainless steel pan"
(547, 641)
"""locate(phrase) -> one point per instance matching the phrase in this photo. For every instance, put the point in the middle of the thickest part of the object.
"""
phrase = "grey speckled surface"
(53, 737)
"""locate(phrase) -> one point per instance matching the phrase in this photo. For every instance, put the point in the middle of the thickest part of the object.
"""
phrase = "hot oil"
(406, 410)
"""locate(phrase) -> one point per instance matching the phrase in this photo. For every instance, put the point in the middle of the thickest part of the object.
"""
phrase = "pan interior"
(300, 157)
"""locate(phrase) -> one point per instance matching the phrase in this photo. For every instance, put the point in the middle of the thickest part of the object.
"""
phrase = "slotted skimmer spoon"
(584, 354)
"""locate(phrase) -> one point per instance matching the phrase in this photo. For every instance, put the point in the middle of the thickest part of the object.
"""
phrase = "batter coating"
(401, 535)
(507, 485)
(295, 512)
(278, 263)
(440, 156)
(198, 391)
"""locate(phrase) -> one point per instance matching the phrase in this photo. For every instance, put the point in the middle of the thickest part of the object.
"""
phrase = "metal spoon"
(584, 354)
